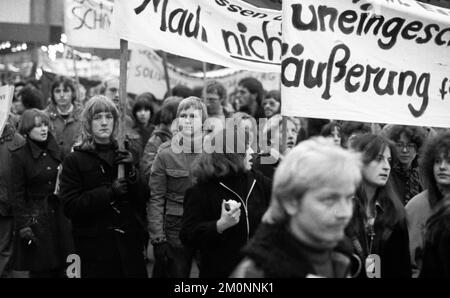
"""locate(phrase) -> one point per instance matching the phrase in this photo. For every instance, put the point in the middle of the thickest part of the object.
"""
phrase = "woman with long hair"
(224, 208)
(378, 228)
(435, 171)
(107, 212)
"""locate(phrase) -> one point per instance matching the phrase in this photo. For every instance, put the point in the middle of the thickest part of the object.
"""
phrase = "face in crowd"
(244, 98)
(277, 136)
(441, 170)
(271, 107)
(376, 172)
(63, 95)
(321, 216)
(336, 135)
(19, 108)
(406, 150)
(213, 103)
(143, 116)
(102, 127)
(190, 122)
(112, 90)
(39, 132)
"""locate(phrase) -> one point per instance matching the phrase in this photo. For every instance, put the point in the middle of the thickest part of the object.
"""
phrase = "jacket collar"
(281, 255)
(52, 148)
(53, 113)
(93, 151)
(8, 133)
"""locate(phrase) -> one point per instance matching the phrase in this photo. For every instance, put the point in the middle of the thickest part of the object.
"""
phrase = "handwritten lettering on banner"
(231, 33)
(87, 24)
(375, 61)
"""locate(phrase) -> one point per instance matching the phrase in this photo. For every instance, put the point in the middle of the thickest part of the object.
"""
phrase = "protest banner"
(87, 23)
(231, 33)
(146, 74)
(6, 95)
(372, 61)
(94, 69)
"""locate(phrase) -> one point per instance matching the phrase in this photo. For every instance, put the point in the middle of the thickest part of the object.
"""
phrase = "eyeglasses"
(409, 146)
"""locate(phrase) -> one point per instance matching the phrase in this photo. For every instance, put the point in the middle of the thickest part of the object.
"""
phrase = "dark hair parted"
(254, 87)
(67, 84)
(223, 162)
(31, 118)
(371, 145)
(432, 149)
(328, 128)
(416, 134)
(144, 101)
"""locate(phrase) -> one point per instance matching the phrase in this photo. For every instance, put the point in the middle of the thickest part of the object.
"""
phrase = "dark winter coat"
(219, 253)
(276, 253)
(109, 237)
(34, 178)
(9, 140)
(265, 163)
(436, 256)
(391, 243)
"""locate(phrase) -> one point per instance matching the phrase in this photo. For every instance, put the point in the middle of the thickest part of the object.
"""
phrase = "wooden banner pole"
(122, 98)
(166, 73)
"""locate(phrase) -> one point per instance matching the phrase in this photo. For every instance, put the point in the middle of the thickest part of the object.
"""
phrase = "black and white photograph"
(220, 147)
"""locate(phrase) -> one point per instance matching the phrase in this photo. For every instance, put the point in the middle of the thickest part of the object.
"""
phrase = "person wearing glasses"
(272, 103)
(405, 172)
(214, 98)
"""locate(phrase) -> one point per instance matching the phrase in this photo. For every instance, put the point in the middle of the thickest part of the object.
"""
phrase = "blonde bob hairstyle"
(310, 165)
(97, 104)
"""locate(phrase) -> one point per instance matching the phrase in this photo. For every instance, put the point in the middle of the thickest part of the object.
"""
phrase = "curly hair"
(416, 134)
(254, 86)
(432, 149)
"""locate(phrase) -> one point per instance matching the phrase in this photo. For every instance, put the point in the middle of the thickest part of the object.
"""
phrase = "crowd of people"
(209, 178)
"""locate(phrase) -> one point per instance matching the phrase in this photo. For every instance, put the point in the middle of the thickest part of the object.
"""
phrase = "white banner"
(372, 61)
(92, 69)
(87, 23)
(146, 74)
(6, 95)
(231, 33)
